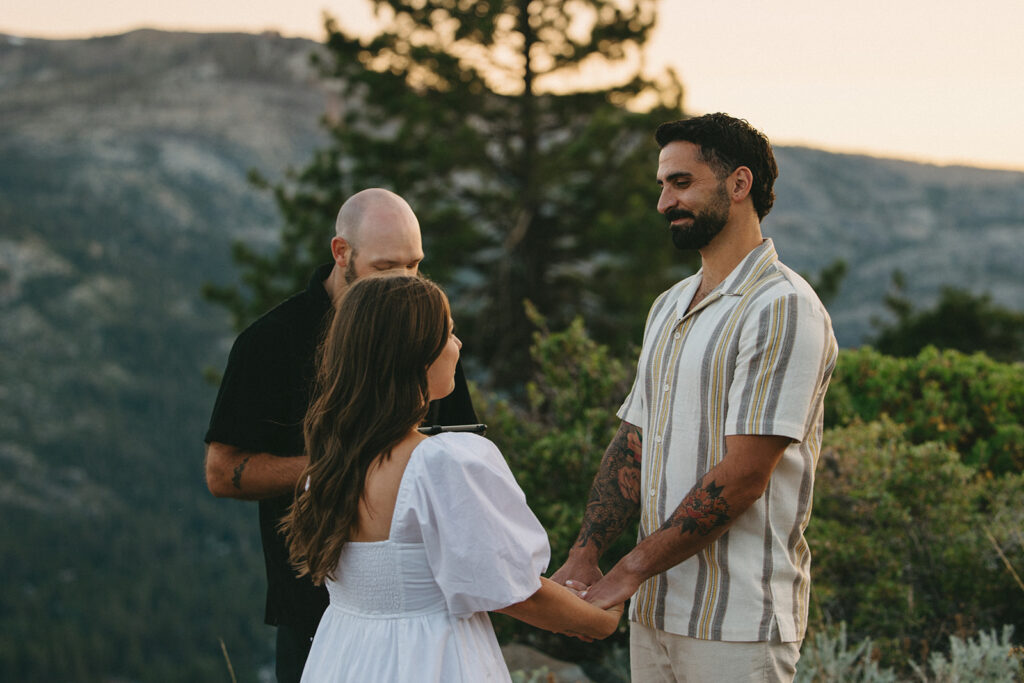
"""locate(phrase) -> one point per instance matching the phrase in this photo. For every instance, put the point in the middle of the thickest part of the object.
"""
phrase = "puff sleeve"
(485, 546)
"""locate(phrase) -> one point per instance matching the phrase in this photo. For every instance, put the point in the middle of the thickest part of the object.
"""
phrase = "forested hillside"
(123, 180)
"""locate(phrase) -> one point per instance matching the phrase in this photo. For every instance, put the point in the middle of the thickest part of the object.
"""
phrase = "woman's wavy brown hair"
(371, 390)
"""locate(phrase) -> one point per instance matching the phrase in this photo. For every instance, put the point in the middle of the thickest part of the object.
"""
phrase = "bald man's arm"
(246, 475)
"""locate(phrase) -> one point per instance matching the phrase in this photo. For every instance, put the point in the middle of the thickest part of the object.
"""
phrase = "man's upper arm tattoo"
(702, 511)
(236, 478)
(615, 495)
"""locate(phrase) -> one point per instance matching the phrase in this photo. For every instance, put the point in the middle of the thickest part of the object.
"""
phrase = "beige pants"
(661, 657)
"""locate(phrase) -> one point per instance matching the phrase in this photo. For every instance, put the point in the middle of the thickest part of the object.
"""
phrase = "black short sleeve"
(266, 387)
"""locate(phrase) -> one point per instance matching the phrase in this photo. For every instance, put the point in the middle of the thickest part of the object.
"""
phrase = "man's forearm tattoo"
(702, 511)
(615, 495)
(236, 478)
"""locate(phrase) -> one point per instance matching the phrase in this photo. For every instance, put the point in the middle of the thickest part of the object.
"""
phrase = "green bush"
(554, 445)
(970, 403)
(904, 538)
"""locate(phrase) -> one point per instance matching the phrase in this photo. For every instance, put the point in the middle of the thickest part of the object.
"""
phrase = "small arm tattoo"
(236, 478)
(702, 511)
(615, 495)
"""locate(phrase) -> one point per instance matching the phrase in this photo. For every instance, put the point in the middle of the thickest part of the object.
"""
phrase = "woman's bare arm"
(556, 608)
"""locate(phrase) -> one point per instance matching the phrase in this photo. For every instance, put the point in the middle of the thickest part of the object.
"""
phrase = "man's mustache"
(676, 214)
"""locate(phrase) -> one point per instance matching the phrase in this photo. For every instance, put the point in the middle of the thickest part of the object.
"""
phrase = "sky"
(935, 81)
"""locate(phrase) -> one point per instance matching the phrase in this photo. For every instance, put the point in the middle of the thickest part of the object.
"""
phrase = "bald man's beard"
(706, 225)
(350, 270)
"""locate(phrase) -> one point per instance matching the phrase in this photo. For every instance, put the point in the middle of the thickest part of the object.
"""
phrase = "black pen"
(437, 429)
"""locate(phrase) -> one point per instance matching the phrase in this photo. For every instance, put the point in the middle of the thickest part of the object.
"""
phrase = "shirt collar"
(744, 276)
(750, 270)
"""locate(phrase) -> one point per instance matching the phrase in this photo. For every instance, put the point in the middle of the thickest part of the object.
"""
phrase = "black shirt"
(260, 406)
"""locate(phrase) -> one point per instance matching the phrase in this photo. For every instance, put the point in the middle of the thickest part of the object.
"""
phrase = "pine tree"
(521, 132)
(959, 320)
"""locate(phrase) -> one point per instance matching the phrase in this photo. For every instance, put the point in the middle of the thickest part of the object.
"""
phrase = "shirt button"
(657, 439)
(678, 335)
(665, 387)
(652, 492)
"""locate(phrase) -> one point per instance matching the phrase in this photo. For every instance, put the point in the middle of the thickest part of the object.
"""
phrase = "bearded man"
(720, 434)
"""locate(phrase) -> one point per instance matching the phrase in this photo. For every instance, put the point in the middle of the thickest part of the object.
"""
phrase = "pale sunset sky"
(926, 80)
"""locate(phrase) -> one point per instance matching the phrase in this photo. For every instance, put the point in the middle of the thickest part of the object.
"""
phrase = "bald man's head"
(376, 230)
(374, 207)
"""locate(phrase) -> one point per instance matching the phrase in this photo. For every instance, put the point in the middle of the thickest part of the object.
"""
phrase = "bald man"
(254, 442)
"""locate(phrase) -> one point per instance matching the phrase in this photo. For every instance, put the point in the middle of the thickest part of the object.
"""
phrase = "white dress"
(414, 608)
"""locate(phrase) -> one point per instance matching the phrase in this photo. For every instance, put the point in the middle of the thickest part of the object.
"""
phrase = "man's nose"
(665, 201)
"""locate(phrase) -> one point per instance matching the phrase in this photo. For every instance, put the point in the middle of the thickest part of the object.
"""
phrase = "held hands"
(613, 589)
(577, 575)
(581, 572)
(585, 579)
(581, 576)
(584, 591)
(614, 613)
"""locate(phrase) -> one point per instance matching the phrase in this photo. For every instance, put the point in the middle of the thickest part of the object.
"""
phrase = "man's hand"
(577, 574)
(578, 589)
(614, 589)
(578, 570)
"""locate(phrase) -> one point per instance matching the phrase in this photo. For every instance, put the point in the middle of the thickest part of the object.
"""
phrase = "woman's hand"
(615, 614)
(560, 609)
(577, 588)
(615, 611)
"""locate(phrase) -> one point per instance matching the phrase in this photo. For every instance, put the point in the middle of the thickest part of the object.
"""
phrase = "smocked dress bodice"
(386, 579)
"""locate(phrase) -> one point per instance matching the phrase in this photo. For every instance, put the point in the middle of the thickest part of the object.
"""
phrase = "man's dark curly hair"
(725, 144)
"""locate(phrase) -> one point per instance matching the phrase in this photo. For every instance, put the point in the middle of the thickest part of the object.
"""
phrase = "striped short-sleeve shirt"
(754, 357)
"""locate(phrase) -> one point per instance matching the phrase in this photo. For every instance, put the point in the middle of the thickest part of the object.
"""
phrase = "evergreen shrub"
(554, 439)
(971, 403)
(910, 545)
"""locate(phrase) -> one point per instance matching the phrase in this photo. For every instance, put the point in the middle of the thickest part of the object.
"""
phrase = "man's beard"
(350, 269)
(707, 223)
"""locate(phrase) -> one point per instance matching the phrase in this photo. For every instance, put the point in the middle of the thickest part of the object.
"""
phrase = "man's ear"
(341, 250)
(742, 182)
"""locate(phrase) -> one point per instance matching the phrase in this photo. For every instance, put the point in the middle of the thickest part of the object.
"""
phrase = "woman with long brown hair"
(416, 537)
